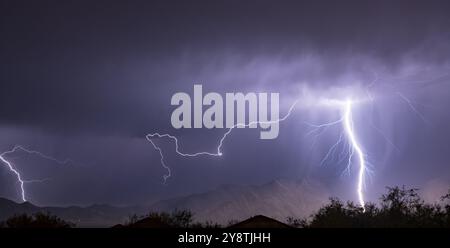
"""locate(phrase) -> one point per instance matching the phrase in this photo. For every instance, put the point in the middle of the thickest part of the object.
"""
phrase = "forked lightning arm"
(19, 177)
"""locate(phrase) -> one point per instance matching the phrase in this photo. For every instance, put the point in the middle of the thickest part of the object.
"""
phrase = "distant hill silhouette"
(260, 221)
(91, 216)
(278, 199)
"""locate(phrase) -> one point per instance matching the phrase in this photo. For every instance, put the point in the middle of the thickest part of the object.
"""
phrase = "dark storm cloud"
(85, 80)
(105, 66)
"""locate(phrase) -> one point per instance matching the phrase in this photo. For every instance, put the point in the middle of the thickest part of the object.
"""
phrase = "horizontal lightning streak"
(218, 153)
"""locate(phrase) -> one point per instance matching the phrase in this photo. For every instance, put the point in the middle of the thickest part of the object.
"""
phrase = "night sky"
(87, 80)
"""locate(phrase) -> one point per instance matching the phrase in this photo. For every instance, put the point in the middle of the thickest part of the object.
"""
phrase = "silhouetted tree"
(294, 222)
(399, 207)
(207, 224)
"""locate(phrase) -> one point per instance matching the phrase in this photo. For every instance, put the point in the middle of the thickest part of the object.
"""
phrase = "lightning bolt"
(19, 177)
(218, 152)
(346, 120)
(354, 146)
(348, 126)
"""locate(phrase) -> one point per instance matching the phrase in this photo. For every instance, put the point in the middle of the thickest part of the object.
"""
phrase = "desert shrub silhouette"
(37, 220)
(175, 219)
(399, 207)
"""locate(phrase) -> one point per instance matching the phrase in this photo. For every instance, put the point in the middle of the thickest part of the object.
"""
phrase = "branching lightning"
(19, 177)
(348, 124)
(346, 120)
(354, 146)
(218, 152)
